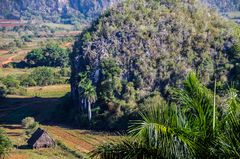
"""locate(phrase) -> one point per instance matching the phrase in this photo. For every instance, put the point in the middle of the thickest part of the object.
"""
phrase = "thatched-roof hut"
(40, 139)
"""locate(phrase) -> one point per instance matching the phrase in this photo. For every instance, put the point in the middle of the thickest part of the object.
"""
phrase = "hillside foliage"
(144, 46)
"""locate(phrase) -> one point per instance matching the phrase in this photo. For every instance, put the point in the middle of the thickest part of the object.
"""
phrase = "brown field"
(6, 58)
(11, 23)
(83, 141)
(20, 54)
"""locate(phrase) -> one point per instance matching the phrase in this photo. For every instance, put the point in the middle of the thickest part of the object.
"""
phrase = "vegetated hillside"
(143, 46)
(53, 10)
(225, 5)
(69, 11)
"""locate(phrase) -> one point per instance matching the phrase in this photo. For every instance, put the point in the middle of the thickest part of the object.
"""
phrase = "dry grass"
(48, 91)
(13, 71)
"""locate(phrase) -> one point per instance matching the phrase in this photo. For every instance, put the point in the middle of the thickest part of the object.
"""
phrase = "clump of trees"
(11, 85)
(42, 76)
(197, 124)
(52, 56)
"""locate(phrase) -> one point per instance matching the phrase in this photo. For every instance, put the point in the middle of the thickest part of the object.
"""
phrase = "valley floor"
(40, 103)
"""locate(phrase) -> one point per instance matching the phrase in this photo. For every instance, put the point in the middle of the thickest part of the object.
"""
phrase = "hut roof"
(36, 135)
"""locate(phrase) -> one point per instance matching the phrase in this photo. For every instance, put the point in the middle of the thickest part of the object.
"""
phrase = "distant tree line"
(41, 76)
(52, 56)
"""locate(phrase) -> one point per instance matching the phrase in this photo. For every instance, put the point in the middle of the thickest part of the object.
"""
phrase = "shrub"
(5, 144)
(42, 76)
(3, 90)
(65, 72)
(11, 82)
(17, 91)
(30, 125)
(11, 85)
(26, 80)
(26, 122)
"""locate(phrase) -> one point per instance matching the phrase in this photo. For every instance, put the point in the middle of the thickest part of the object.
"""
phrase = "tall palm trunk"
(85, 104)
(214, 105)
(89, 111)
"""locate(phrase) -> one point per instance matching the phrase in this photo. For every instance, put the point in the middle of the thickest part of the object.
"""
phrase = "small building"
(40, 139)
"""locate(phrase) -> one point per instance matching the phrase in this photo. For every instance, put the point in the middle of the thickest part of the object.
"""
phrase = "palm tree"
(227, 144)
(87, 93)
(197, 103)
(90, 95)
(160, 134)
(193, 128)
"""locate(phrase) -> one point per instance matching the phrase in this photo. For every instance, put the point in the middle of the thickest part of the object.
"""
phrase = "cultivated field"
(74, 143)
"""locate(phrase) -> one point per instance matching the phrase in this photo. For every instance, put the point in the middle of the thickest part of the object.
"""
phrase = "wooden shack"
(40, 139)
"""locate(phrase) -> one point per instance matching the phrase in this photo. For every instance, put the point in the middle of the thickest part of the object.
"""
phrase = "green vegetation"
(40, 76)
(129, 67)
(5, 144)
(183, 129)
(67, 149)
(142, 47)
(30, 125)
(3, 90)
(52, 55)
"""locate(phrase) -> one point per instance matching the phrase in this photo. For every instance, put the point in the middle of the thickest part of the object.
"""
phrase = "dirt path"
(17, 56)
(9, 60)
(67, 45)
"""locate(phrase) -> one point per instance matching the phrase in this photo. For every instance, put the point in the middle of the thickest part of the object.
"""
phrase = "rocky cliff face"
(91, 8)
(224, 5)
(154, 44)
(52, 10)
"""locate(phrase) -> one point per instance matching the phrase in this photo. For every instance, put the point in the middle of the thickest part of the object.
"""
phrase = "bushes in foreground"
(5, 144)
